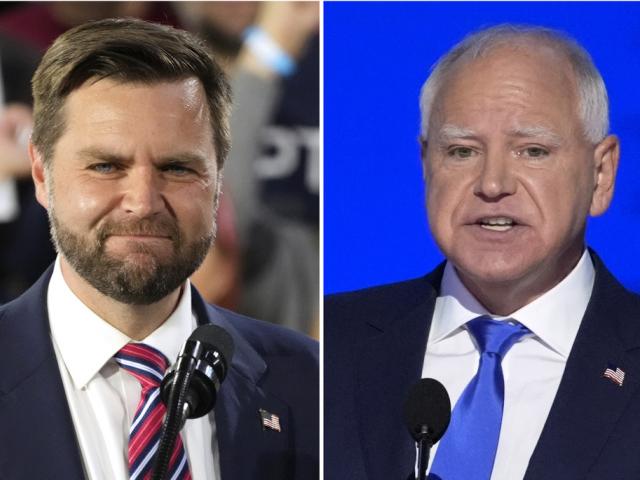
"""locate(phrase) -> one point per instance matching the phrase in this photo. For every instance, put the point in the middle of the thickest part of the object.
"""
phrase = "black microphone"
(189, 389)
(427, 412)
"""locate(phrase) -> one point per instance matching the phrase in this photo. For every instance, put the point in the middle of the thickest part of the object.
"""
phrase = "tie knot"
(493, 336)
(143, 362)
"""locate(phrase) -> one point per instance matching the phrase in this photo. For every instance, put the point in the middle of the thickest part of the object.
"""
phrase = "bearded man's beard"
(126, 281)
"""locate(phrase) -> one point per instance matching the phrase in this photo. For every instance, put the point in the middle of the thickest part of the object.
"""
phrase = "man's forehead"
(503, 59)
(513, 50)
(110, 98)
(536, 83)
(118, 117)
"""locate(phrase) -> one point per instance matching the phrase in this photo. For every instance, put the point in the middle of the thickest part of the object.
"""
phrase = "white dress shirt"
(532, 368)
(102, 397)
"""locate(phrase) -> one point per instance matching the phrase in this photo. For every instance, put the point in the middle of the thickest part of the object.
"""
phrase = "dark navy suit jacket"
(375, 341)
(272, 369)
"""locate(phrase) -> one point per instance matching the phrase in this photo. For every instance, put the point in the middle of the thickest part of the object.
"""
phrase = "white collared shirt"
(102, 397)
(532, 368)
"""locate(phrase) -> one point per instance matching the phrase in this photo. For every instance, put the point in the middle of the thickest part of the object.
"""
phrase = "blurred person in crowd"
(131, 132)
(25, 249)
(38, 24)
(272, 54)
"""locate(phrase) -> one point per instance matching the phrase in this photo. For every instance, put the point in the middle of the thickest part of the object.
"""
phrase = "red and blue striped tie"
(148, 365)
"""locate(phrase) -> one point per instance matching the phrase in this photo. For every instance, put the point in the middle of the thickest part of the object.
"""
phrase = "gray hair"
(593, 107)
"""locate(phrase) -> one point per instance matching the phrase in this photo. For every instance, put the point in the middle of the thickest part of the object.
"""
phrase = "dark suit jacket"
(272, 368)
(375, 341)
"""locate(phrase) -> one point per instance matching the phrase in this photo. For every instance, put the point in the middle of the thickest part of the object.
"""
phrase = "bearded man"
(130, 137)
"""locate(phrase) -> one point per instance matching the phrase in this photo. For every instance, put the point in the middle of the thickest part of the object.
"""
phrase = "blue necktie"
(468, 449)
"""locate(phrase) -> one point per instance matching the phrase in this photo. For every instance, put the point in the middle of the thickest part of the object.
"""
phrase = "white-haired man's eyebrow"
(537, 132)
(449, 132)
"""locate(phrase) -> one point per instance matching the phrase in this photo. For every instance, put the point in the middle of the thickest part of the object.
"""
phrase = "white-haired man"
(531, 335)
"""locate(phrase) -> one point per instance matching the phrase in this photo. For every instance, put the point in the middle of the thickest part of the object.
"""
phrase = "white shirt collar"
(86, 342)
(554, 317)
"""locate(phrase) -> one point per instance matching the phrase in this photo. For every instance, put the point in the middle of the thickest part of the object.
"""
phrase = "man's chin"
(498, 270)
(136, 263)
(134, 285)
(136, 279)
(122, 246)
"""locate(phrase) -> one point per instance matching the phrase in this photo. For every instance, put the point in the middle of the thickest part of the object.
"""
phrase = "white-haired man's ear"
(605, 165)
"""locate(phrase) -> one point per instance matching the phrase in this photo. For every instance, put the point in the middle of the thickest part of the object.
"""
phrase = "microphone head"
(217, 338)
(427, 405)
(207, 355)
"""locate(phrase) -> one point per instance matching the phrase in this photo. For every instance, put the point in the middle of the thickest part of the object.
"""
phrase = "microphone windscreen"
(216, 337)
(427, 404)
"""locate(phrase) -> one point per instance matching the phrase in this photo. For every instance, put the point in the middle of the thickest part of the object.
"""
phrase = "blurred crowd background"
(265, 260)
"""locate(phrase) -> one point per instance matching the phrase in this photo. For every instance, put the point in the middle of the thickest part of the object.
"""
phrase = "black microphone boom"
(427, 413)
(189, 389)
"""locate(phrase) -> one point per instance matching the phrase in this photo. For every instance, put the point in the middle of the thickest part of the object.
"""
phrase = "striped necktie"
(468, 448)
(148, 366)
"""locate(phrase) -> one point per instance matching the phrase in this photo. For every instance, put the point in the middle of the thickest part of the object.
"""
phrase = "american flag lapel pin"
(270, 421)
(615, 374)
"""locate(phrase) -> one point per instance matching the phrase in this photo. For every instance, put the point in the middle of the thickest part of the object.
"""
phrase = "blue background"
(376, 57)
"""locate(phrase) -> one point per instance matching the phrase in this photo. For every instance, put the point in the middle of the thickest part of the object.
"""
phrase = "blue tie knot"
(494, 336)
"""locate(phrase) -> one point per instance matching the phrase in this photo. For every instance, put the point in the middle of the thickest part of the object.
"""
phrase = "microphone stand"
(177, 408)
(424, 444)
(191, 391)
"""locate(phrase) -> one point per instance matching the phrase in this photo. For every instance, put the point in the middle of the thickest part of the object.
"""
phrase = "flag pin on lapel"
(615, 374)
(270, 421)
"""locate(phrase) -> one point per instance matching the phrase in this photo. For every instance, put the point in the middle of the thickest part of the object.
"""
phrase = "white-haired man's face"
(510, 177)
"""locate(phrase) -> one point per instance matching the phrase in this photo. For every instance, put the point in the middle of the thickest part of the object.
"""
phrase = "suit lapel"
(247, 449)
(587, 405)
(389, 362)
(37, 435)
